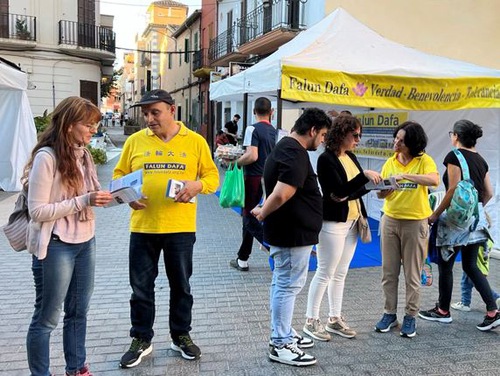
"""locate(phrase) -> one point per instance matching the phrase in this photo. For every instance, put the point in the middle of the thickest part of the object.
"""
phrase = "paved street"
(231, 314)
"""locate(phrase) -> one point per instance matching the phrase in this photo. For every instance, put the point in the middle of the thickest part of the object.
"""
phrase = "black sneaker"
(435, 315)
(234, 264)
(138, 349)
(489, 322)
(185, 345)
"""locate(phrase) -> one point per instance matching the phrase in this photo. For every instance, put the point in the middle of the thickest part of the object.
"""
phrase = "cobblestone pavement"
(231, 314)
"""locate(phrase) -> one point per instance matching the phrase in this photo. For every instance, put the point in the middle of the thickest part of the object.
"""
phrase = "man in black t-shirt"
(292, 215)
(231, 129)
(259, 140)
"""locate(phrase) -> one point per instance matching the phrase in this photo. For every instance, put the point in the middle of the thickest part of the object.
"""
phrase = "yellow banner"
(408, 93)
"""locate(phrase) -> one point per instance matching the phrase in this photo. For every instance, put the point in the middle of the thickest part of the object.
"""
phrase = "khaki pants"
(403, 242)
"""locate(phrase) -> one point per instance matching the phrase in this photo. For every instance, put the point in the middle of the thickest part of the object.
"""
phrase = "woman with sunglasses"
(62, 186)
(342, 183)
(404, 226)
(470, 238)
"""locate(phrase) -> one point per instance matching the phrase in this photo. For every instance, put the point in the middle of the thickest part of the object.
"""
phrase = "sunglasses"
(356, 135)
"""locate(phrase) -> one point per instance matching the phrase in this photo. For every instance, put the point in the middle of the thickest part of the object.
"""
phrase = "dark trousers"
(144, 254)
(251, 227)
(469, 265)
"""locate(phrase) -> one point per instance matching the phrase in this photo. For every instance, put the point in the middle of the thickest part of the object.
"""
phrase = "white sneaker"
(291, 354)
(316, 330)
(459, 306)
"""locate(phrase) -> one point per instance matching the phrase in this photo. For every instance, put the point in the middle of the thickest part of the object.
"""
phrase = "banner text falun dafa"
(397, 92)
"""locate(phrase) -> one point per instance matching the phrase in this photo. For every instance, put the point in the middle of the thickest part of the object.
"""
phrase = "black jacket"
(333, 180)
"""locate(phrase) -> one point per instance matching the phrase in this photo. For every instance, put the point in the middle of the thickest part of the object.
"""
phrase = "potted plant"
(22, 31)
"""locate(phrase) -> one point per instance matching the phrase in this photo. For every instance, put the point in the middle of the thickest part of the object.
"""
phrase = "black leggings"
(469, 265)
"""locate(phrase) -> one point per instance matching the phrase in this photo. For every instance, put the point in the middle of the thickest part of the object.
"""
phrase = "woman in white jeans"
(342, 182)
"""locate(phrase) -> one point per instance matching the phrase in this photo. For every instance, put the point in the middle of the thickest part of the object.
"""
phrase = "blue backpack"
(464, 203)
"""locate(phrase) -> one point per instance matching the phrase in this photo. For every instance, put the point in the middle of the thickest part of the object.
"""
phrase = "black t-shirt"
(477, 169)
(298, 221)
(231, 127)
(262, 135)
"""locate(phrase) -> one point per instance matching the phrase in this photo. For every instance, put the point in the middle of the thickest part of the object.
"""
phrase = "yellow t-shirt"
(410, 201)
(351, 171)
(185, 157)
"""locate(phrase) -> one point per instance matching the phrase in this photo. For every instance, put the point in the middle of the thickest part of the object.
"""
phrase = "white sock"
(242, 264)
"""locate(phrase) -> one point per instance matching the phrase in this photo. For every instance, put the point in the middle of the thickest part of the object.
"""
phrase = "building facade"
(181, 83)
(65, 46)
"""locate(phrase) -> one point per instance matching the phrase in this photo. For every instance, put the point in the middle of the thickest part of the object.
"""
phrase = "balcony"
(259, 32)
(17, 31)
(86, 40)
(201, 64)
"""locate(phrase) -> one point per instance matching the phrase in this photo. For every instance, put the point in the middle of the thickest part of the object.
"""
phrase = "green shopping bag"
(232, 193)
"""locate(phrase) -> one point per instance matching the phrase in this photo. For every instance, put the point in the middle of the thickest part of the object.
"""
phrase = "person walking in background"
(165, 150)
(404, 227)
(468, 239)
(62, 185)
(292, 215)
(342, 182)
(231, 129)
(259, 140)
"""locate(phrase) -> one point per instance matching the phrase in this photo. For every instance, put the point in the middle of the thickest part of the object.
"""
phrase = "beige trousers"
(403, 242)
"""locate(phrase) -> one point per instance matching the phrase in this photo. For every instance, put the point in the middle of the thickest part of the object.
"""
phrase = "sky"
(130, 19)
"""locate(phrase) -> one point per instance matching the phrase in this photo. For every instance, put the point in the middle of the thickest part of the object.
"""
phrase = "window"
(196, 42)
(88, 90)
(169, 60)
(4, 18)
(186, 50)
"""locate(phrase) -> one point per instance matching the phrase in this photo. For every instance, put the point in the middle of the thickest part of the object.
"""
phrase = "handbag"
(364, 231)
(232, 193)
(16, 229)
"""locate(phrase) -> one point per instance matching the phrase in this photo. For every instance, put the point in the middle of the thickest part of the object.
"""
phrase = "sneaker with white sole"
(388, 321)
(409, 327)
(434, 315)
(185, 345)
(315, 329)
(290, 354)
(459, 306)
(337, 325)
(138, 350)
(302, 342)
(489, 322)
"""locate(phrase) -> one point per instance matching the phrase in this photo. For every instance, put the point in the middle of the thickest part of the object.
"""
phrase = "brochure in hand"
(174, 187)
(389, 183)
(126, 189)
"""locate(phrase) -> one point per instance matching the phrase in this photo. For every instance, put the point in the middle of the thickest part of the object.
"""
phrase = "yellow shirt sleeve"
(411, 200)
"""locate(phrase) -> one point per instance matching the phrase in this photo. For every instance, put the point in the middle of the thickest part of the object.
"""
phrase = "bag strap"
(463, 164)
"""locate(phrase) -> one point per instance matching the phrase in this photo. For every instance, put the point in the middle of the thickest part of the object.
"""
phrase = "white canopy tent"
(341, 63)
(17, 130)
(340, 43)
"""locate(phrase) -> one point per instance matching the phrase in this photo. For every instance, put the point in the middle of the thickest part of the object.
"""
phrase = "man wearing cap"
(165, 150)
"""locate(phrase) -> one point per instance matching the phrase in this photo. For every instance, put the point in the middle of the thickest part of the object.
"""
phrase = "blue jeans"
(66, 276)
(289, 276)
(467, 286)
(144, 254)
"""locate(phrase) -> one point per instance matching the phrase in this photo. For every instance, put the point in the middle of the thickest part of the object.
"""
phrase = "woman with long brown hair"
(62, 186)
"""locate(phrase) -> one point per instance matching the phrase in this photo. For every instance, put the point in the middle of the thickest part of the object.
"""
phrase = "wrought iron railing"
(223, 44)
(280, 14)
(17, 26)
(200, 59)
(86, 35)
